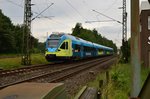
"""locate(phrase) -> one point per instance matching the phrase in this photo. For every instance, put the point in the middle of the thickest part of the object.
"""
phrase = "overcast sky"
(64, 14)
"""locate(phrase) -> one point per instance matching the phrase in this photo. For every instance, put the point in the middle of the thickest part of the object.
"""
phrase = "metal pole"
(124, 21)
(135, 49)
(124, 33)
(26, 58)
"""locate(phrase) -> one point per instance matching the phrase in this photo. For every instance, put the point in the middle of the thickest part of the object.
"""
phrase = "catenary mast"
(26, 58)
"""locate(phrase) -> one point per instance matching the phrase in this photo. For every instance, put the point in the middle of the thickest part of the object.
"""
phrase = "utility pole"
(124, 23)
(135, 48)
(26, 46)
(124, 48)
(26, 58)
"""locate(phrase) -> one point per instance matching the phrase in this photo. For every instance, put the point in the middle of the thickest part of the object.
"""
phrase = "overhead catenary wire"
(21, 6)
(110, 6)
(64, 11)
(12, 2)
(76, 10)
(58, 22)
(107, 16)
(99, 21)
(42, 16)
(50, 18)
(37, 7)
(88, 7)
(42, 11)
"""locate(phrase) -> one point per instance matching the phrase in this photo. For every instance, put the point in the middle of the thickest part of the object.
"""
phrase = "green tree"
(125, 49)
(41, 47)
(93, 36)
(17, 31)
(77, 29)
(11, 36)
(7, 40)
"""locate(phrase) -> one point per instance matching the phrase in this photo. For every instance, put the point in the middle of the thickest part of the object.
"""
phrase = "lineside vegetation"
(119, 83)
(11, 37)
(15, 62)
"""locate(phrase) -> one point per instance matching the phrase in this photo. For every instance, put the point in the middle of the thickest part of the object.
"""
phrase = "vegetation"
(125, 49)
(15, 62)
(120, 81)
(11, 37)
(92, 35)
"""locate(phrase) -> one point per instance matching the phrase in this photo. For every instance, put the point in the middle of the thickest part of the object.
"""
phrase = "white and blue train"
(64, 46)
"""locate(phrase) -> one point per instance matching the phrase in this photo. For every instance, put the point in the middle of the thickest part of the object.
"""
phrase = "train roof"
(80, 41)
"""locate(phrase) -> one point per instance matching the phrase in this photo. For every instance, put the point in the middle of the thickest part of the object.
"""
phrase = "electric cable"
(76, 10)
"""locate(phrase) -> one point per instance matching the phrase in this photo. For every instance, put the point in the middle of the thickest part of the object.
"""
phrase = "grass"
(38, 59)
(11, 63)
(120, 81)
(9, 55)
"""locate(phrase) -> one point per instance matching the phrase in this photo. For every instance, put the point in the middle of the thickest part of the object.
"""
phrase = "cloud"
(66, 15)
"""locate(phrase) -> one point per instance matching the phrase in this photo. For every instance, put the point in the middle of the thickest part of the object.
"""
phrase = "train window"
(84, 48)
(66, 45)
(62, 46)
(55, 36)
(53, 43)
(89, 49)
(77, 48)
(100, 50)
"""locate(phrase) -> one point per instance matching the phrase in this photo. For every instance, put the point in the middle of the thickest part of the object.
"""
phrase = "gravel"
(73, 84)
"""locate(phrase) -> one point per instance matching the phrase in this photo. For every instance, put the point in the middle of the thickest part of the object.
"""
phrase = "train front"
(58, 48)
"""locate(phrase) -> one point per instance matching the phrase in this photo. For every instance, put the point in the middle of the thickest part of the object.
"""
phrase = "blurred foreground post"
(135, 49)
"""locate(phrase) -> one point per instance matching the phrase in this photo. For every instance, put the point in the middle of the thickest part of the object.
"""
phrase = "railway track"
(21, 70)
(26, 69)
(60, 73)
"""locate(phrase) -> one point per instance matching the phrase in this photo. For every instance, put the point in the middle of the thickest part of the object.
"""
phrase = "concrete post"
(135, 49)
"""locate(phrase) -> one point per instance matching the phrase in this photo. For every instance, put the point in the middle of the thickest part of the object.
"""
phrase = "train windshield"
(53, 43)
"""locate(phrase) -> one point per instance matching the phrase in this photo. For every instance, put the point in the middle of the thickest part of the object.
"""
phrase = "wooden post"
(107, 82)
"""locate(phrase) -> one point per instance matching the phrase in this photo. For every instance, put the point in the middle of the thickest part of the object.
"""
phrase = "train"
(61, 46)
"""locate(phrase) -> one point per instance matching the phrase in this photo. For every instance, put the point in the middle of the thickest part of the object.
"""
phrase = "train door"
(65, 49)
(69, 47)
(77, 50)
(100, 51)
(81, 51)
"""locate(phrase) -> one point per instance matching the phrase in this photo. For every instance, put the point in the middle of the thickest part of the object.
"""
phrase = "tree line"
(11, 37)
(93, 36)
